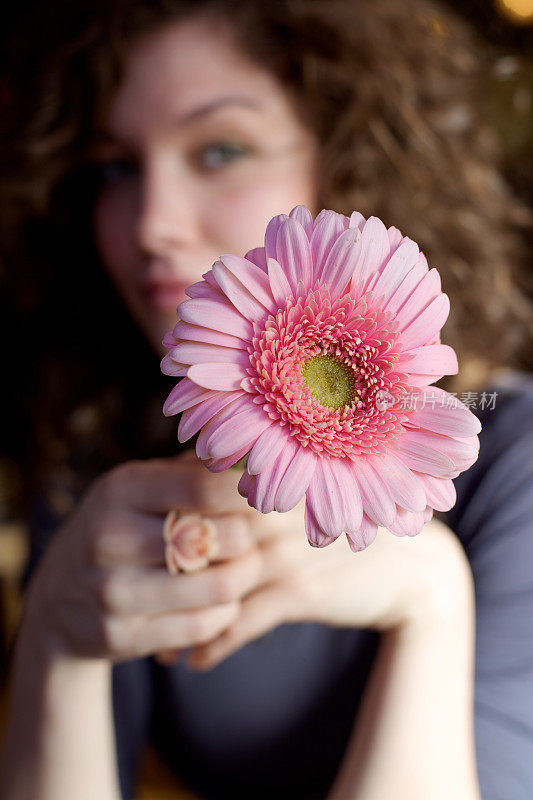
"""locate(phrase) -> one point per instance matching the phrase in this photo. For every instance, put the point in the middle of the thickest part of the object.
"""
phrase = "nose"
(168, 217)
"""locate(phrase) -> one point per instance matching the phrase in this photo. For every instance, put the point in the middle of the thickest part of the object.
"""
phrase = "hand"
(395, 581)
(103, 589)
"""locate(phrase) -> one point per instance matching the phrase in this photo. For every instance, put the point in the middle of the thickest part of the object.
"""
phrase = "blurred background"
(507, 26)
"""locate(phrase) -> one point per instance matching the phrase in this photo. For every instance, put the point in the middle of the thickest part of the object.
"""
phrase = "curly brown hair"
(395, 93)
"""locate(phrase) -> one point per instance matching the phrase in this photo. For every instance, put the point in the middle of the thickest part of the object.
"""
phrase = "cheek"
(242, 218)
(113, 220)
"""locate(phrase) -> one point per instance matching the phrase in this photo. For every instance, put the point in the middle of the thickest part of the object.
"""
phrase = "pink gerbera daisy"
(314, 357)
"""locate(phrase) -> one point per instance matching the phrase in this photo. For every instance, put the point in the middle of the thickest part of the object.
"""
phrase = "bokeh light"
(518, 11)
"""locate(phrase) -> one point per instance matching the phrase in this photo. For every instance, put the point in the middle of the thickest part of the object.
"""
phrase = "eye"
(219, 154)
(115, 170)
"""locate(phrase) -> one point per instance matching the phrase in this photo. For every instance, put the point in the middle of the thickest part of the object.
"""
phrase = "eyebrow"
(214, 105)
(188, 117)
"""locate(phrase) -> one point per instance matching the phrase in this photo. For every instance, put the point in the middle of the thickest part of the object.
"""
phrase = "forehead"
(173, 71)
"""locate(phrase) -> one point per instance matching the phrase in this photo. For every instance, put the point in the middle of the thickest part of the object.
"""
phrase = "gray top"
(274, 718)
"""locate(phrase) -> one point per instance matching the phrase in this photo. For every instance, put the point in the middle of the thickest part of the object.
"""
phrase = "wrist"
(41, 644)
(58, 722)
(443, 586)
(437, 587)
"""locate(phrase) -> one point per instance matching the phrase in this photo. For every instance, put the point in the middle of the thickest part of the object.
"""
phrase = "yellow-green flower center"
(330, 380)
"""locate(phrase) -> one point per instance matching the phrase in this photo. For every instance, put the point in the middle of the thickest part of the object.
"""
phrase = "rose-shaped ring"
(191, 541)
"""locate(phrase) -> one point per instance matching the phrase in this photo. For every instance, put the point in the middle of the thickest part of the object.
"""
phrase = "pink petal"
(406, 523)
(343, 471)
(210, 427)
(423, 260)
(422, 380)
(184, 395)
(194, 333)
(362, 538)
(215, 313)
(210, 279)
(432, 359)
(409, 283)
(448, 421)
(427, 324)
(356, 220)
(279, 283)
(302, 215)
(239, 431)
(395, 270)
(315, 534)
(267, 448)
(251, 494)
(440, 492)
(294, 254)
(407, 491)
(169, 339)
(196, 417)
(253, 278)
(325, 501)
(296, 479)
(395, 238)
(463, 458)
(378, 501)
(463, 452)
(221, 464)
(340, 263)
(268, 481)
(201, 353)
(327, 213)
(245, 484)
(427, 290)
(238, 294)
(170, 367)
(374, 250)
(418, 454)
(448, 400)
(328, 227)
(271, 235)
(203, 289)
(223, 377)
(257, 256)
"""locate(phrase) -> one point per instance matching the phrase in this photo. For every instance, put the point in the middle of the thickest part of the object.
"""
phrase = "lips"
(165, 295)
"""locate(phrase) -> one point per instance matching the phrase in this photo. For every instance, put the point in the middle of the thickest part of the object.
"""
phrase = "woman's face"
(202, 149)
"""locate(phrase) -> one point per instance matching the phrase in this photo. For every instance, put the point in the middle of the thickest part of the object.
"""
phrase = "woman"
(179, 129)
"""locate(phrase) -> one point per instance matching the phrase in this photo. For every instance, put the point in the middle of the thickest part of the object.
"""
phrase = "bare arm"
(102, 594)
(414, 737)
(59, 735)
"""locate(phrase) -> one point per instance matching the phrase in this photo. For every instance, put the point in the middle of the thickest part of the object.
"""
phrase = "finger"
(136, 538)
(281, 556)
(150, 590)
(131, 538)
(234, 535)
(157, 485)
(267, 526)
(285, 549)
(260, 612)
(185, 629)
(193, 541)
(136, 637)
